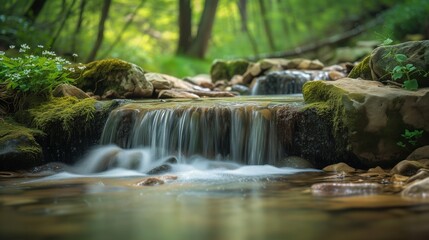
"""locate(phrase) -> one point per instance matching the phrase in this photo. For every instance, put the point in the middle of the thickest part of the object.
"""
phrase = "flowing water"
(158, 176)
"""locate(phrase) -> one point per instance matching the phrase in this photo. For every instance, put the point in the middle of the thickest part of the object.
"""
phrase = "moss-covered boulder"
(362, 70)
(114, 78)
(383, 61)
(71, 126)
(371, 117)
(18, 146)
(225, 70)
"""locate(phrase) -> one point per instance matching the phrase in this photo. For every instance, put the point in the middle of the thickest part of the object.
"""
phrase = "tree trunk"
(267, 26)
(34, 10)
(63, 22)
(78, 25)
(201, 41)
(185, 26)
(124, 28)
(242, 9)
(100, 34)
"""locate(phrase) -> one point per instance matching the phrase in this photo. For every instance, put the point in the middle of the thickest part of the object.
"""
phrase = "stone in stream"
(67, 90)
(335, 189)
(339, 167)
(410, 167)
(283, 82)
(419, 153)
(419, 189)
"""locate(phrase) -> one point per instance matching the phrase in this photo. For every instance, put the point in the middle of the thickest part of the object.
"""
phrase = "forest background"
(183, 37)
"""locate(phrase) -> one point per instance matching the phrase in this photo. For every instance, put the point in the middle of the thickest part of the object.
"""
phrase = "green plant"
(35, 73)
(403, 70)
(410, 137)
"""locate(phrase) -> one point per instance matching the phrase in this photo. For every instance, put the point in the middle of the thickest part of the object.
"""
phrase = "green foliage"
(34, 73)
(410, 138)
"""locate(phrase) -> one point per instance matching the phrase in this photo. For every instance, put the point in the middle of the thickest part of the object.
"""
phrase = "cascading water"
(240, 132)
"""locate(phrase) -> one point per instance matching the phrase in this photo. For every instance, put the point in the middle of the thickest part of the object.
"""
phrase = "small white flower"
(81, 67)
(40, 46)
(12, 46)
(27, 71)
(2, 53)
(71, 70)
(22, 50)
(75, 55)
(1, 59)
(25, 46)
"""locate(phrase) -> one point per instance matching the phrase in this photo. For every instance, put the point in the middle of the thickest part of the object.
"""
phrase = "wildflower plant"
(34, 72)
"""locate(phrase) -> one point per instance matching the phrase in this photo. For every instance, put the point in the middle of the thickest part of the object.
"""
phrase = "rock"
(409, 168)
(160, 169)
(361, 70)
(419, 153)
(284, 82)
(382, 61)
(67, 90)
(377, 169)
(304, 64)
(174, 93)
(294, 162)
(152, 181)
(202, 80)
(421, 174)
(158, 81)
(339, 167)
(179, 83)
(370, 117)
(243, 90)
(225, 70)
(236, 79)
(419, 189)
(345, 189)
(18, 147)
(126, 79)
(335, 75)
(268, 63)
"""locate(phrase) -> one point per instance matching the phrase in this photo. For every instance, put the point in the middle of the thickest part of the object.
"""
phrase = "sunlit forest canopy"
(183, 37)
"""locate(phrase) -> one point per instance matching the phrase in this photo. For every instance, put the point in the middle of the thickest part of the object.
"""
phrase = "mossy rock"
(18, 146)
(114, 78)
(370, 117)
(362, 70)
(383, 61)
(225, 70)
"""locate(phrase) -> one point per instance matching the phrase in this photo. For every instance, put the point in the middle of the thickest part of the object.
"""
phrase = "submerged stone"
(345, 189)
(419, 189)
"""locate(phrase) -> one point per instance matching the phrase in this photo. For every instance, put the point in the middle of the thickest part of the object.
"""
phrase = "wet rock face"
(345, 189)
(419, 189)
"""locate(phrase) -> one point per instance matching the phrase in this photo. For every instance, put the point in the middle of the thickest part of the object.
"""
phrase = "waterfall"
(239, 132)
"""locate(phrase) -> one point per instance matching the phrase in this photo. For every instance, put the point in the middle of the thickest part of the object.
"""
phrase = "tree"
(195, 46)
(267, 26)
(34, 10)
(100, 34)
(78, 25)
(242, 9)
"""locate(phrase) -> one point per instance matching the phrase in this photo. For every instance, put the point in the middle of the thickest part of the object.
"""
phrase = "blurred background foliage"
(151, 34)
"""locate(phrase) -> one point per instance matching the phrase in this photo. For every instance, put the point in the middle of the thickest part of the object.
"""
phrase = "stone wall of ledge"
(371, 117)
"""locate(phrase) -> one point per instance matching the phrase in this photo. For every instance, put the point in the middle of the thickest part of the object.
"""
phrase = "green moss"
(63, 112)
(98, 71)
(362, 70)
(24, 139)
(225, 70)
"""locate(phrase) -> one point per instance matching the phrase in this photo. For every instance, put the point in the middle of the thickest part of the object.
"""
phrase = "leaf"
(401, 57)
(401, 144)
(411, 85)
(388, 41)
(397, 75)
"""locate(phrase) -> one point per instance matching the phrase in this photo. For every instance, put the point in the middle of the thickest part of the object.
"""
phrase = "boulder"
(383, 61)
(284, 82)
(419, 153)
(67, 90)
(158, 81)
(410, 167)
(370, 117)
(339, 167)
(362, 70)
(419, 189)
(225, 70)
(18, 147)
(127, 80)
